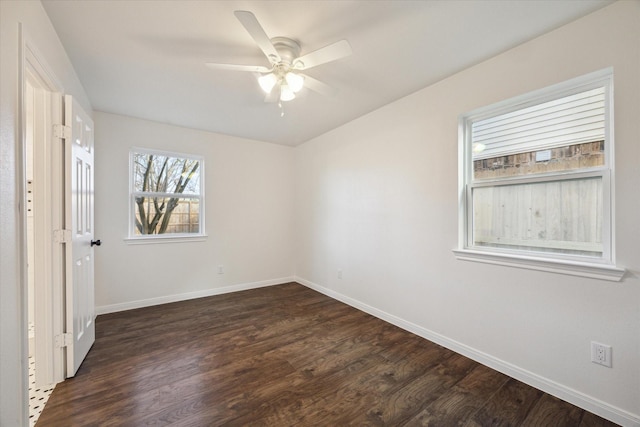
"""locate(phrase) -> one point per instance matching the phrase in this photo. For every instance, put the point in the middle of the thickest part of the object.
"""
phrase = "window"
(166, 195)
(536, 176)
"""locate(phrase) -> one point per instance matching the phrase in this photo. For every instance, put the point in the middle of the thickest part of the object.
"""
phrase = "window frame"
(134, 238)
(602, 267)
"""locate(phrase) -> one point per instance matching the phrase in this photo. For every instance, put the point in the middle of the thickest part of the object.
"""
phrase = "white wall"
(40, 33)
(378, 199)
(248, 209)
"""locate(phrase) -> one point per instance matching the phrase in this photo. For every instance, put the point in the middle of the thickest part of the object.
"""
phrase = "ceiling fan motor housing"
(288, 50)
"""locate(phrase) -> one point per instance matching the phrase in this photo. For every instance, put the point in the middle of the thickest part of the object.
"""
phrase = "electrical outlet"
(221, 269)
(339, 274)
(601, 354)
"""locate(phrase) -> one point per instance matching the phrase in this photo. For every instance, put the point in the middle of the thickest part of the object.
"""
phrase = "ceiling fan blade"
(318, 86)
(234, 67)
(323, 55)
(251, 24)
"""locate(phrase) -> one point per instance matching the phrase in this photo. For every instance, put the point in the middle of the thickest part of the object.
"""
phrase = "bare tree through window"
(163, 186)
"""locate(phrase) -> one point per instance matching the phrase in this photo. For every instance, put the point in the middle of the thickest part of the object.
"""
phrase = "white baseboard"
(130, 305)
(570, 395)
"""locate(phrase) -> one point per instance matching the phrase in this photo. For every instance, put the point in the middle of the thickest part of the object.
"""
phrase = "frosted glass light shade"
(295, 81)
(286, 94)
(267, 82)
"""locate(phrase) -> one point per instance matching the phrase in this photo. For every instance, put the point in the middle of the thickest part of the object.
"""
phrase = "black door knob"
(96, 242)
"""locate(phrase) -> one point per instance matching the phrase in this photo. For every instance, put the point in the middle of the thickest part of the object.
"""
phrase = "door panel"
(80, 263)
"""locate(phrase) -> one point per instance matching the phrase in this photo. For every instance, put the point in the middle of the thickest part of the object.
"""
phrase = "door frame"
(32, 62)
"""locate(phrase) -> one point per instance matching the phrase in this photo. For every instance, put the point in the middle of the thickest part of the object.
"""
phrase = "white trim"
(164, 195)
(22, 387)
(162, 238)
(573, 268)
(112, 308)
(156, 152)
(568, 394)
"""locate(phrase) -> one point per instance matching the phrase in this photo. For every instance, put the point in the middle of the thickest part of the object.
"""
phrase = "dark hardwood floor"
(283, 356)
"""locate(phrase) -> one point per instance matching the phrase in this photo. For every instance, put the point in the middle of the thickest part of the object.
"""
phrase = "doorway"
(39, 387)
(42, 107)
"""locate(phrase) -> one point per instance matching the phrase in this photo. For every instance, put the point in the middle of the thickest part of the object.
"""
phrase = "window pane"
(558, 216)
(165, 215)
(164, 174)
(570, 157)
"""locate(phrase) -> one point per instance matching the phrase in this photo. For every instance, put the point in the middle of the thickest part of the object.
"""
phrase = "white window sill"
(574, 268)
(165, 239)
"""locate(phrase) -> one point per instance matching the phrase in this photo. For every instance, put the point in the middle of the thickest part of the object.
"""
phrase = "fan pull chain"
(281, 109)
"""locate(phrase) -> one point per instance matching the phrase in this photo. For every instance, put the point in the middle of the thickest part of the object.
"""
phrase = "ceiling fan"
(282, 79)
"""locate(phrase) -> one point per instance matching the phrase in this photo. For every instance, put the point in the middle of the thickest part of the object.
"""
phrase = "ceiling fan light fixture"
(267, 82)
(282, 79)
(295, 81)
(286, 94)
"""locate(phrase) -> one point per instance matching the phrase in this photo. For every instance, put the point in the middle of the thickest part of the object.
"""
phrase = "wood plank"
(551, 411)
(462, 401)
(592, 420)
(509, 406)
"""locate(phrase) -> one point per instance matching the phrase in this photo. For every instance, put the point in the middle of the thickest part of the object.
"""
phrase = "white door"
(80, 310)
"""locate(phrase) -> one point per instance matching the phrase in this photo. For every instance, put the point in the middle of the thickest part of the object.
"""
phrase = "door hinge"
(64, 340)
(62, 236)
(62, 131)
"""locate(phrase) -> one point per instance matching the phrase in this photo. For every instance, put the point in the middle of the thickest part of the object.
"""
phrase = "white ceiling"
(146, 58)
